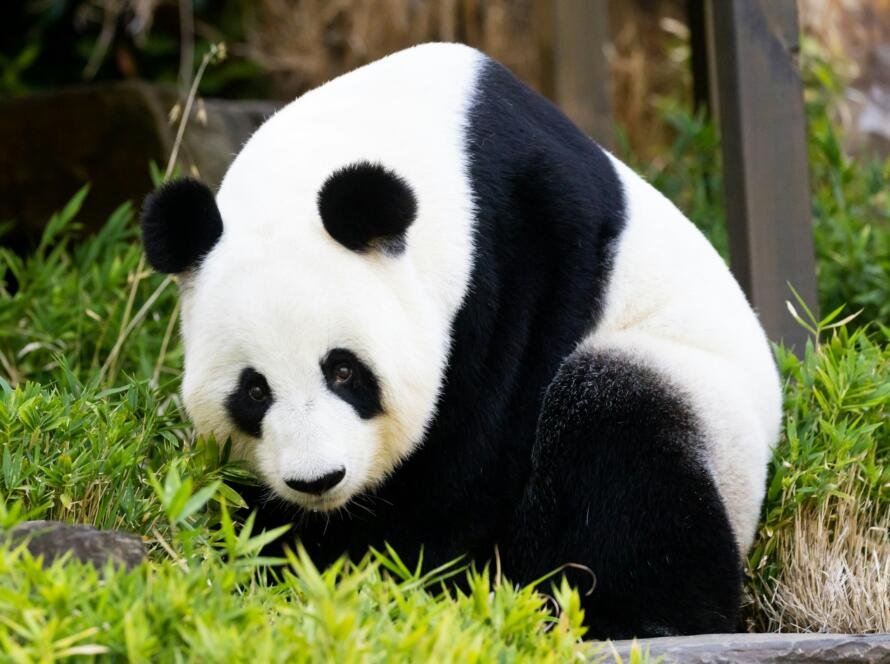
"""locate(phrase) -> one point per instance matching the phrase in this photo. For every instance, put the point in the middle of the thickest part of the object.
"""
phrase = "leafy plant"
(72, 302)
(64, 42)
(837, 428)
(833, 460)
(220, 610)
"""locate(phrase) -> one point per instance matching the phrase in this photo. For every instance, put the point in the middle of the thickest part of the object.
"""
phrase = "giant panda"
(428, 311)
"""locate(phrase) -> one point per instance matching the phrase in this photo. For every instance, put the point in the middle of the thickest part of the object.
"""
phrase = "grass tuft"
(835, 573)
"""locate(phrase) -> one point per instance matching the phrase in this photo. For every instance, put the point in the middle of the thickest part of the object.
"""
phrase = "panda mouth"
(327, 502)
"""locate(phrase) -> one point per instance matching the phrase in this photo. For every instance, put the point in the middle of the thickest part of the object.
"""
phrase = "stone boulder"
(762, 648)
(55, 142)
(52, 539)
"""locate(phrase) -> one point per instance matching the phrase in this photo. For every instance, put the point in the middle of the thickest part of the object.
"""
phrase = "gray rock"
(763, 648)
(212, 147)
(52, 539)
(55, 142)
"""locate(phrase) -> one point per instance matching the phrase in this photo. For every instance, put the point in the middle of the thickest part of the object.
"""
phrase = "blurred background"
(72, 110)
(278, 49)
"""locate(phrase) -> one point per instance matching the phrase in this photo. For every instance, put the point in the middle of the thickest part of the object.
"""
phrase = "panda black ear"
(180, 225)
(366, 206)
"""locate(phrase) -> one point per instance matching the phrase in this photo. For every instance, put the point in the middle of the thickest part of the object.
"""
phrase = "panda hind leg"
(618, 486)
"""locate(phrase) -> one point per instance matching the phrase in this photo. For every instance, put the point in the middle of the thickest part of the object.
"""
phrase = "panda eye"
(257, 393)
(342, 373)
(353, 381)
(342, 369)
(249, 401)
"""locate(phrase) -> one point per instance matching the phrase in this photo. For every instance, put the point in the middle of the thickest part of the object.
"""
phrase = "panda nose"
(320, 484)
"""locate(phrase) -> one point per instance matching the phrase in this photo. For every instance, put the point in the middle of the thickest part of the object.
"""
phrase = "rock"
(763, 648)
(212, 147)
(52, 539)
(106, 134)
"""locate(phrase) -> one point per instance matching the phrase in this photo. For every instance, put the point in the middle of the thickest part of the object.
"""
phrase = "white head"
(319, 285)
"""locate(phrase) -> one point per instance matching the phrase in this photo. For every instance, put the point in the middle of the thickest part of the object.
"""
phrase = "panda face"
(322, 363)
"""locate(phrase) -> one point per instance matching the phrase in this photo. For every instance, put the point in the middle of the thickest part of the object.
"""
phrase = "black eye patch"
(249, 401)
(353, 381)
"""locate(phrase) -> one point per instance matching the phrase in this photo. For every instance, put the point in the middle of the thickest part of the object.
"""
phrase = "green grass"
(92, 430)
(211, 610)
(73, 301)
(835, 449)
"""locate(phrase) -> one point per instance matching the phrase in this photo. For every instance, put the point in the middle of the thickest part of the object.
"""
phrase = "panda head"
(320, 285)
(308, 337)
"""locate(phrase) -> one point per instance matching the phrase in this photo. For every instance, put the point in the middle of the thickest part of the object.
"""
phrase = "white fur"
(673, 304)
(278, 292)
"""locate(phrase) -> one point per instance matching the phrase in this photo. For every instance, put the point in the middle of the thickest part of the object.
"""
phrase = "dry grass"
(649, 60)
(836, 574)
(300, 44)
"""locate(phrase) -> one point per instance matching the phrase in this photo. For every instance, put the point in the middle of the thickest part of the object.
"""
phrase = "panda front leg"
(619, 486)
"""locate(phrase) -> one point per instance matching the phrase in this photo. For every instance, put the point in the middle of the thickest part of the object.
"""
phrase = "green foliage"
(837, 431)
(220, 611)
(851, 205)
(77, 454)
(60, 42)
(73, 302)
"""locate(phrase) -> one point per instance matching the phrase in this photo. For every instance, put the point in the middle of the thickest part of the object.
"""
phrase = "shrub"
(851, 206)
(218, 609)
(822, 555)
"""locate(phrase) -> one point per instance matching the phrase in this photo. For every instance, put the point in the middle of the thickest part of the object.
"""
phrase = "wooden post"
(581, 79)
(698, 44)
(762, 121)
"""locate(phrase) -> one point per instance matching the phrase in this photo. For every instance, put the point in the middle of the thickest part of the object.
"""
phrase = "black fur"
(180, 225)
(362, 391)
(618, 484)
(320, 484)
(365, 206)
(549, 209)
(246, 411)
